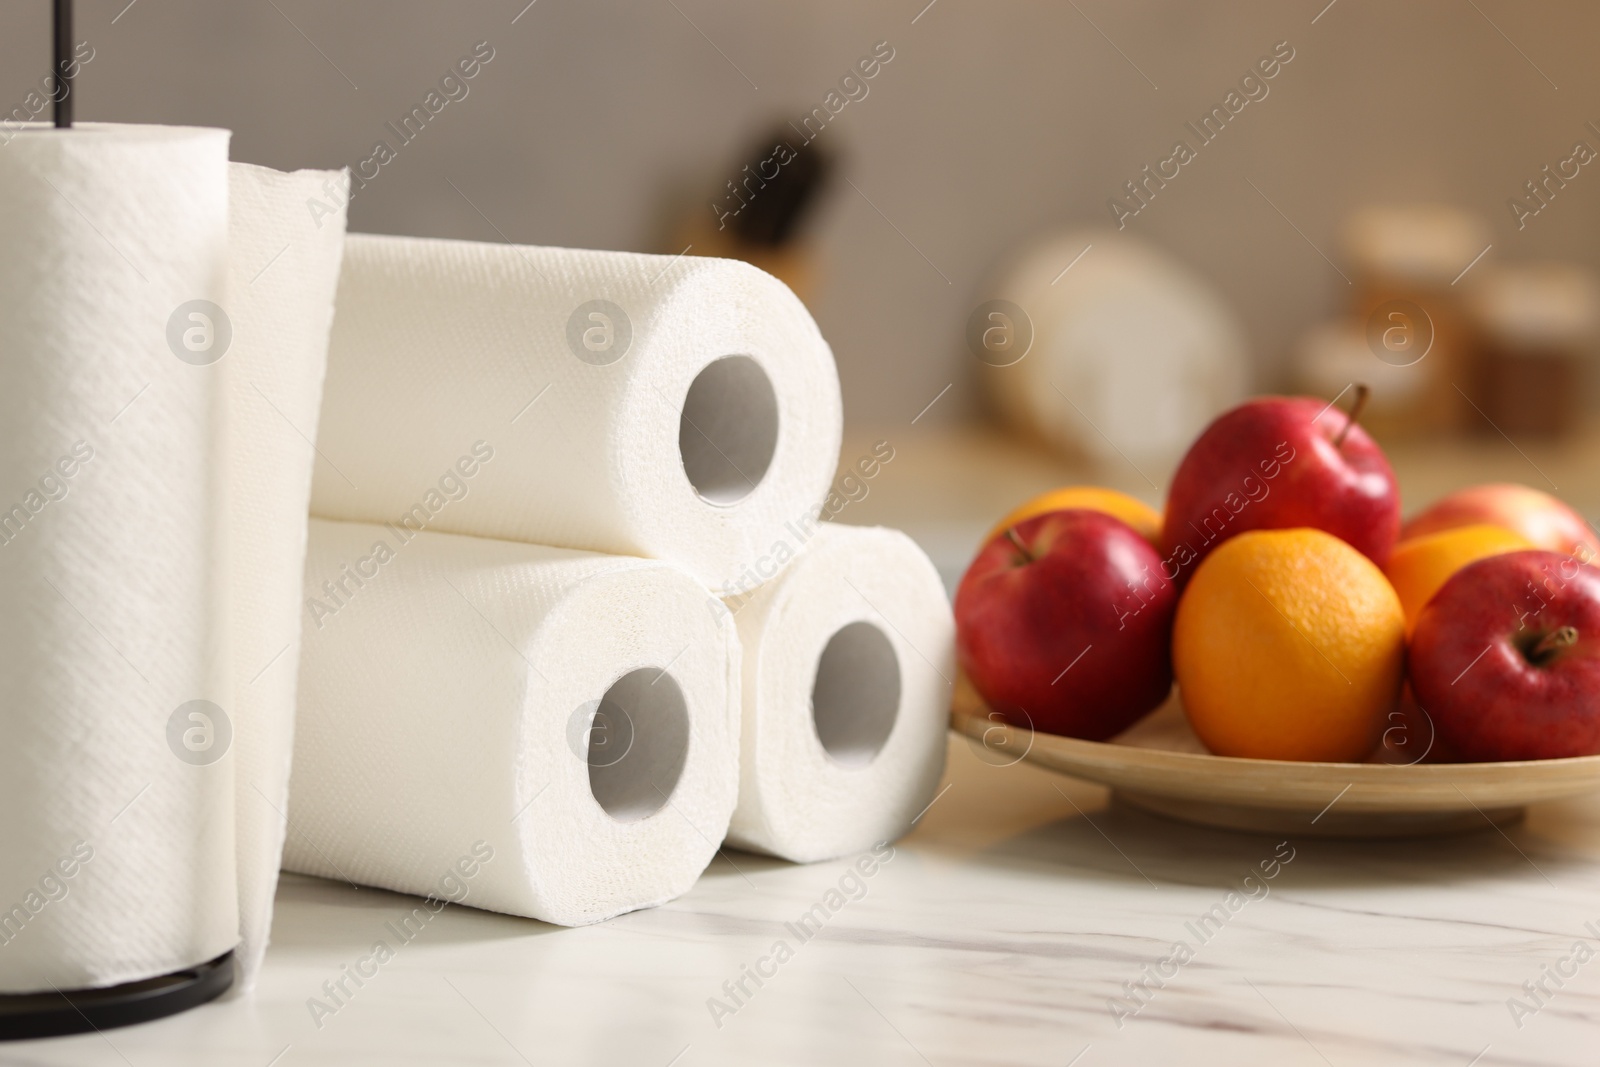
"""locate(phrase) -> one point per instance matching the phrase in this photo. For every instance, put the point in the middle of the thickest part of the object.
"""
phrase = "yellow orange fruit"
(1289, 644)
(1541, 518)
(1419, 566)
(1136, 513)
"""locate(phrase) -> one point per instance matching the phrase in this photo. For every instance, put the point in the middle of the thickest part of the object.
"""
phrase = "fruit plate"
(1158, 765)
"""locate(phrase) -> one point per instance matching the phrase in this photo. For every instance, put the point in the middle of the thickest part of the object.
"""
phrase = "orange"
(1136, 513)
(1289, 644)
(1418, 567)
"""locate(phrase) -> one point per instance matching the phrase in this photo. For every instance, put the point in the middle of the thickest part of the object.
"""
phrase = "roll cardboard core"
(729, 429)
(638, 743)
(856, 695)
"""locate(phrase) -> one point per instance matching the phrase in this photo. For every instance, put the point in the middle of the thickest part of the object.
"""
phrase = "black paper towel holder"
(55, 1013)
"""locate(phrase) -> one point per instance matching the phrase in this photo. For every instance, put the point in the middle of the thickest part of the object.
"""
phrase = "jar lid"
(1538, 304)
(1424, 243)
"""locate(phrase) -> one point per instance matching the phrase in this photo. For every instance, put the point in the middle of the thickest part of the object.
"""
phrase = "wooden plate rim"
(1106, 752)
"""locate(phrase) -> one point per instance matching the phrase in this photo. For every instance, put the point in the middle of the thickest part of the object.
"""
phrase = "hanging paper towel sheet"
(674, 408)
(562, 725)
(116, 855)
(284, 268)
(163, 328)
(848, 659)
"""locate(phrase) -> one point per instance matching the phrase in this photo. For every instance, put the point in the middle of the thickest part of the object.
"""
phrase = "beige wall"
(994, 120)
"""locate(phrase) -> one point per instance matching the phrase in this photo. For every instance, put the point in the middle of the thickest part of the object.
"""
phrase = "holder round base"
(29, 1015)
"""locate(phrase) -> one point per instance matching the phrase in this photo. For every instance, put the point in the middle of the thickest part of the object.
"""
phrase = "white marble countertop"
(998, 934)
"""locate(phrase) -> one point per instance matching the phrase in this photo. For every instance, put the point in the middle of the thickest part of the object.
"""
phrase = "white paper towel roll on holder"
(32, 1015)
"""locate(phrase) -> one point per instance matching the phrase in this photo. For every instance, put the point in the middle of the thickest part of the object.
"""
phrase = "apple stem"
(1560, 638)
(1362, 392)
(1011, 535)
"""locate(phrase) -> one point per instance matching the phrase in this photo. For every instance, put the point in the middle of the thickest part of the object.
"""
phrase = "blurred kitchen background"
(950, 217)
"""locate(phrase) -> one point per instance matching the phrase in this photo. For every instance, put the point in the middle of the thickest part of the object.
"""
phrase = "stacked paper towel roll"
(848, 658)
(151, 511)
(681, 409)
(568, 722)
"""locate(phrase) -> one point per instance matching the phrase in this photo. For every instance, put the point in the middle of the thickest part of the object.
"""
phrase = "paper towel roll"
(284, 268)
(681, 409)
(848, 658)
(117, 845)
(562, 725)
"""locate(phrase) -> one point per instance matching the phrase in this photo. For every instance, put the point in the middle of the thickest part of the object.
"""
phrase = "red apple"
(1538, 516)
(1279, 462)
(1064, 624)
(1506, 658)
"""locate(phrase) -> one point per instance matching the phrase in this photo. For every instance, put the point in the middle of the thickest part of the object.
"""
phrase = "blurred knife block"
(760, 214)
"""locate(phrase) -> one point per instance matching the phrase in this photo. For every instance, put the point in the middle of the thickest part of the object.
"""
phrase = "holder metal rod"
(64, 68)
